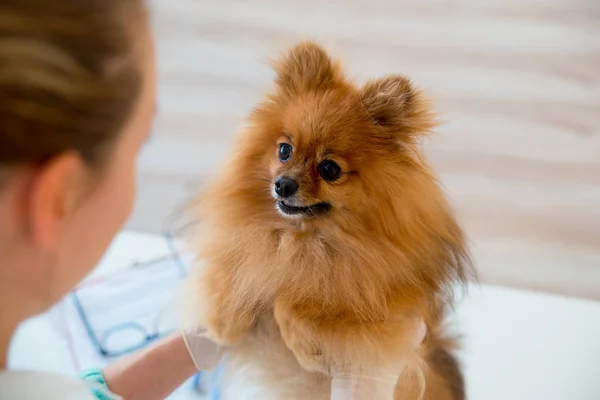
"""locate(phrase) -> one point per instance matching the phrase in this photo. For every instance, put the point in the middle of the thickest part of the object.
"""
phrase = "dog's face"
(328, 149)
(318, 159)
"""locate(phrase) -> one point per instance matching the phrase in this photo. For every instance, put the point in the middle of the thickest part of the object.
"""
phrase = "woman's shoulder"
(29, 385)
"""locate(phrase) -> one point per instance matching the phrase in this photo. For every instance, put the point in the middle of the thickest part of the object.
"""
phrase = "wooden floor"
(517, 82)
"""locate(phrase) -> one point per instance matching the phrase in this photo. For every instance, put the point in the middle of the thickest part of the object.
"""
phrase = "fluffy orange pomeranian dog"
(323, 234)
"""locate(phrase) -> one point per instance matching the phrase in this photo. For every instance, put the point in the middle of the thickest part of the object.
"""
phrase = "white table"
(518, 345)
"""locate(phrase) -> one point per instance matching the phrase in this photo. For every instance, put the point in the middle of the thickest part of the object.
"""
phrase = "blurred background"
(516, 82)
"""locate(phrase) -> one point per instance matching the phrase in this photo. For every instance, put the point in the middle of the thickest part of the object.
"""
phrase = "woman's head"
(77, 97)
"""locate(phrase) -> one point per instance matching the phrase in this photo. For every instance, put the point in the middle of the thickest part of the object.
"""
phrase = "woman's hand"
(204, 352)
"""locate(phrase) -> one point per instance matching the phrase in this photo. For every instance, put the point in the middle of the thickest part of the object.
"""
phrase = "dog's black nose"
(285, 187)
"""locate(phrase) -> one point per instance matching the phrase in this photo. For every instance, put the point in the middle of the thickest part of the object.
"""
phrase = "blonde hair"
(68, 77)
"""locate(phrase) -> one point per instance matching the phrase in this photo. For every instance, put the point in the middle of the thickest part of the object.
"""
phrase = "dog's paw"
(302, 341)
(307, 352)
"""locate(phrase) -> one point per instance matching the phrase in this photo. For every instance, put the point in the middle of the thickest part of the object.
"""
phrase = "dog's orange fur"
(338, 289)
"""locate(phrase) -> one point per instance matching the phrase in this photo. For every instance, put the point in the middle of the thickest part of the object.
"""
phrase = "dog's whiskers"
(260, 179)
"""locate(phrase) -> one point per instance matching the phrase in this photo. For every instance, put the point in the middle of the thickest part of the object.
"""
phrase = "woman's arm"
(152, 373)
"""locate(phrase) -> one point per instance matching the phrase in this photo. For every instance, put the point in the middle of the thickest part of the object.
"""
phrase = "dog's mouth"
(308, 211)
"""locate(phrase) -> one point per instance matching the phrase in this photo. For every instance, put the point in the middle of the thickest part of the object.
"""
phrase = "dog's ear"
(306, 67)
(398, 108)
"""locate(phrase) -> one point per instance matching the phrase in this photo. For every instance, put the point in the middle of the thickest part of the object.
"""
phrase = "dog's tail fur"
(448, 375)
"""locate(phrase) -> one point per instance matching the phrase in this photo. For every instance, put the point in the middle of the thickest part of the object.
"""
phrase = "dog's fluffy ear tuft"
(398, 108)
(306, 67)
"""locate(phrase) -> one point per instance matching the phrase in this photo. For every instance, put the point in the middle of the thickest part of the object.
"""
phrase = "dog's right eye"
(285, 152)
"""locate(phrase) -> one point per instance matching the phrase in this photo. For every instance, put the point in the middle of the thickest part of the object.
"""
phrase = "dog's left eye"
(285, 152)
(329, 170)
